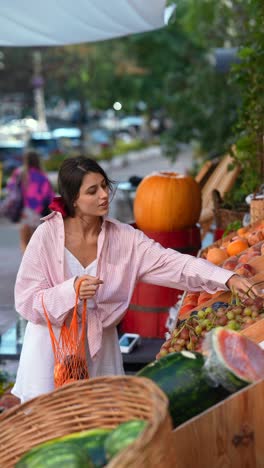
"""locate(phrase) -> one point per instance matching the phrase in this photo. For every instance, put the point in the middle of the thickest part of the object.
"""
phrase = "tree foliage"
(248, 74)
(171, 70)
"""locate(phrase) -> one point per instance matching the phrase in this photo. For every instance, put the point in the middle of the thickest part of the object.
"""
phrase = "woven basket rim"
(69, 401)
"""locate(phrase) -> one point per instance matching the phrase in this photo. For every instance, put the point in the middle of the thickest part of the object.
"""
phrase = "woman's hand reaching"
(88, 286)
(244, 287)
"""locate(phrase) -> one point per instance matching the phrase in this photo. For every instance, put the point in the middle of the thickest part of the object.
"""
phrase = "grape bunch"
(189, 333)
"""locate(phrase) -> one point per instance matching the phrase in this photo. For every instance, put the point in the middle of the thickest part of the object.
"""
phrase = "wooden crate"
(229, 435)
(256, 331)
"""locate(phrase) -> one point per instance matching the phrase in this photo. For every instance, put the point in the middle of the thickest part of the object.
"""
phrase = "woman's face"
(93, 199)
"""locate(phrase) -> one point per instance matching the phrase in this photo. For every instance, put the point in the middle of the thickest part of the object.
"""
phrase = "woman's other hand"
(88, 286)
(243, 287)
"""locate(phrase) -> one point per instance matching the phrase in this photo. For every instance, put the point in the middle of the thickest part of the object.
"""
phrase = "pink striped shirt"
(125, 255)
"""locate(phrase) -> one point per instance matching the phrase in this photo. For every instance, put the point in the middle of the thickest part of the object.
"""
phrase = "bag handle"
(74, 322)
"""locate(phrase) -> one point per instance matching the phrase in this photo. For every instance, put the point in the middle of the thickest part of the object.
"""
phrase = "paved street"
(139, 164)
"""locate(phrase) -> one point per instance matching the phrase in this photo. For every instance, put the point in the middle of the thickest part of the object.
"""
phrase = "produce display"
(205, 358)
(234, 252)
(90, 449)
(190, 332)
(196, 381)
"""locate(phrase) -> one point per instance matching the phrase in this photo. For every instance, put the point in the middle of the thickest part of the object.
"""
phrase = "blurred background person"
(37, 194)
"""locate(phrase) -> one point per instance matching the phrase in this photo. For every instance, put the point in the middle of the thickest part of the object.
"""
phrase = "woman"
(78, 242)
(37, 195)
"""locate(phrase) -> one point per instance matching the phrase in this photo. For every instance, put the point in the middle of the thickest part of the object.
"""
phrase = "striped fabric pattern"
(125, 255)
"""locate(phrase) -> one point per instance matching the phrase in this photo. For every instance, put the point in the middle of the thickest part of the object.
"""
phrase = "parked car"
(132, 123)
(67, 138)
(97, 140)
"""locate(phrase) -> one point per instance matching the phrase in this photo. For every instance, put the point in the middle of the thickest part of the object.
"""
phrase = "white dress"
(35, 371)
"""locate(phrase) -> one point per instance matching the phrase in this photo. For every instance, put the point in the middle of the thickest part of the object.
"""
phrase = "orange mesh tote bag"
(70, 361)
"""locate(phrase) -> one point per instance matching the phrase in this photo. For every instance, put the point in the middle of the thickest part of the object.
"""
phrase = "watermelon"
(196, 381)
(232, 359)
(181, 377)
(93, 442)
(122, 436)
(55, 455)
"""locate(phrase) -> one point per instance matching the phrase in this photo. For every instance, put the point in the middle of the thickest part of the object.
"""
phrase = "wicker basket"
(224, 217)
(83, 405)
(256, 210)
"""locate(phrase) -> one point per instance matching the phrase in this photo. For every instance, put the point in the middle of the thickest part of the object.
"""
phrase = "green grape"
(190, 346)
(233, 325)
(198, 329)
(201, 314)
(230, 315)
(207, 323)
(247, 311)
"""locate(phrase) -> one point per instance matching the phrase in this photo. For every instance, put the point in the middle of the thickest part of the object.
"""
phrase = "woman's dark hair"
(70, 178)
(31, 159)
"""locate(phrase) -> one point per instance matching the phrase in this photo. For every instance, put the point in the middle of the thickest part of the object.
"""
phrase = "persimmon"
(255, 237)
(204, 297)
(186, 308)
(191, 298)
(243, 232)
(237, 246)
(217, 255)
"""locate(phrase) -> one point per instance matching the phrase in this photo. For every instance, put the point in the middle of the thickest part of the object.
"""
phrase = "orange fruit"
(186, 308)
(242, 232)
(237, 246)
(216, 255)
(204, 297)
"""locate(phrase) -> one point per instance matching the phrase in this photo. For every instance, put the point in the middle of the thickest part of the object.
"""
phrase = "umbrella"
(58, 22)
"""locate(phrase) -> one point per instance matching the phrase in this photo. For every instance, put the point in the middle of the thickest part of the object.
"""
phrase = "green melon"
(181, 377)
(92, 441)
(122, 436)
(194, 382)
(55, 455)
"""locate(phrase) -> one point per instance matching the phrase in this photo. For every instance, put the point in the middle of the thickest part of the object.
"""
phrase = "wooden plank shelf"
(228, 435)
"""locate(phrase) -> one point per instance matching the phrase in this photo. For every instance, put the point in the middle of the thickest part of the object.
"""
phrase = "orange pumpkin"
(167, 201)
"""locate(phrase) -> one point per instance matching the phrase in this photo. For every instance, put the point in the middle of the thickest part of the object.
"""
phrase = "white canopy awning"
(58, 22)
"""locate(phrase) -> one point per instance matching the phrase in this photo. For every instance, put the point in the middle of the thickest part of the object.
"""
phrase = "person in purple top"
(37, 195)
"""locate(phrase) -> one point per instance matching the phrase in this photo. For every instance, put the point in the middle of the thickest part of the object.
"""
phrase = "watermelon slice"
(232, 360)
